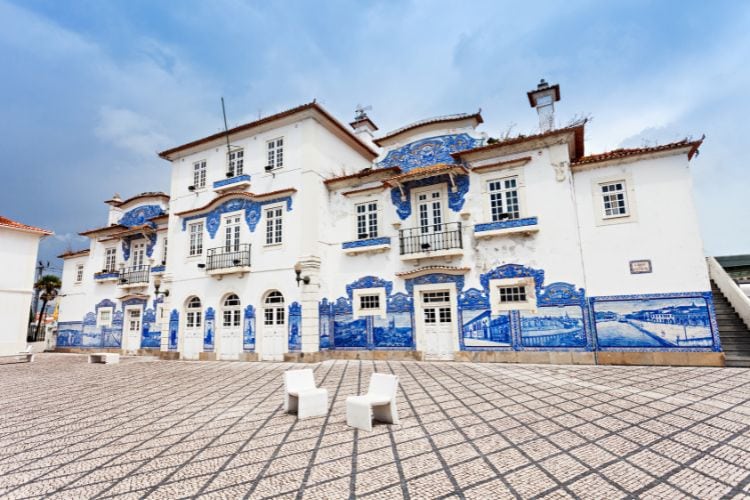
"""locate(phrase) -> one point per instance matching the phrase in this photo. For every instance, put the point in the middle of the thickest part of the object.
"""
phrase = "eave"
(361, 177)
(474, 120)
(623, 155)
(226, 196)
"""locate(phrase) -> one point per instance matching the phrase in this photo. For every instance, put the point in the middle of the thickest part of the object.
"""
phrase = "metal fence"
(223, 258)
(430, 238)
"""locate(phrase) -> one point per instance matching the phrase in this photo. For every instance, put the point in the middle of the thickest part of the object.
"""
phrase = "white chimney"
(543, 99)
(363, 127)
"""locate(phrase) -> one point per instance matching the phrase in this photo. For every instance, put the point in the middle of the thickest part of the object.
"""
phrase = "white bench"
(301, 395)
(108, 358)
(22, 357)
(378, 403)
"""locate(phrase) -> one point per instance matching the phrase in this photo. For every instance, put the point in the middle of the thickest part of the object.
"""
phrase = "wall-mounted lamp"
(298, 273)
(201, 266)
(191, 188)
(157, 292)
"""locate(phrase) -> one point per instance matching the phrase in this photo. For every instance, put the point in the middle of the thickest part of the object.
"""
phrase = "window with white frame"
(276, 152)
(274, 313)
(236, 160)
(196, 239)
(504, 200)
(232, 311)
(369, 302)
(512, 294)
(104, 317)
(274, 228)
(614, 199)
(79, 273)
(367, 220)
(110, 260)
(199, 174)
(194, 316)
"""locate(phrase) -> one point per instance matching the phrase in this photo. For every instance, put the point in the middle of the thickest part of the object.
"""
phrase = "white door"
(274, 328)
(437, 324)
(430, 214)
(230, 334)
(193, 342)
(139, 255)
(132, 329)
(232, 234)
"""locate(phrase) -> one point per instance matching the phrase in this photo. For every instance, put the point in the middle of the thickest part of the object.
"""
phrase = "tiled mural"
(664, 321)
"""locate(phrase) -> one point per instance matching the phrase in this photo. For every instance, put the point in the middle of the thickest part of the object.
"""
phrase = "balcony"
(232, 183)
(134, 277)
(514, 227)
(440, 240)
(228, 260)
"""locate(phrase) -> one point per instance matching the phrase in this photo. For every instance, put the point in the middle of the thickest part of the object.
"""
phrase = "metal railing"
(134, 275)
(430, 238)
(224, 258)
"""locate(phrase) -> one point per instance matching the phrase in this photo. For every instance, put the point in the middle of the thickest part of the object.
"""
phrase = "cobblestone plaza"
(171, 429)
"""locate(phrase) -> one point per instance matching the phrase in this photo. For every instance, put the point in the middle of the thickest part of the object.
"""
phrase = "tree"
(48, 285)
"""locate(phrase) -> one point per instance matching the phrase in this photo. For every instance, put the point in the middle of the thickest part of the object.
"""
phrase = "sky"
(92, 89)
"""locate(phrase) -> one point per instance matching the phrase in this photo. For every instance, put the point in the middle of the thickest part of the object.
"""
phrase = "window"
(194, 316)
(79, 273)
(504, 199)
(104, 317)
(369, 302)
(232, 233)
(110, 260)
(367, 220)
(276, 153)
(139, 255)
(437, 315)
(512, 294)
(199, 174)
(274, 225)
(232, 312)
(273, 312)
(436, 297)
(614, 199)
(236, 162)
(196, 239)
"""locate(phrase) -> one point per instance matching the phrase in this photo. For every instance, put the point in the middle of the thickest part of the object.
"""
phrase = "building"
(19, 245)
(296, 237)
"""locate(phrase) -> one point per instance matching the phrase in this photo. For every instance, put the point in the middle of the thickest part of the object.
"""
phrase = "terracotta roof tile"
(101, 229)
(425, 269)
(362, 174)
(70, 254)
(235, 194)
(420, 172)
(11, 224)
(628, 152)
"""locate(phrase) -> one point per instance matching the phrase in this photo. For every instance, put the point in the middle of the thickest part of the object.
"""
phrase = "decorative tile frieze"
(238, 179)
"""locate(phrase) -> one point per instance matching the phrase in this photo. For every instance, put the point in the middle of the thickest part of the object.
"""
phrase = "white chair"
(301, 395)
(379, 402)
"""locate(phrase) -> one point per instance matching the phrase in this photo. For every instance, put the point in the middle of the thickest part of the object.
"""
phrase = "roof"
(422, 172)
(730, 261)
(11, 224)
(102, 229)
(625, 153)
(429, 121)
(432, 269)
(236, 194)
(71, 254)
(577, 129)
(148, 194)
(269, 119)
(365, 172)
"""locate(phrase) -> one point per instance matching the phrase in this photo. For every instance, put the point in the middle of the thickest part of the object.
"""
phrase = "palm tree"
(49, 285)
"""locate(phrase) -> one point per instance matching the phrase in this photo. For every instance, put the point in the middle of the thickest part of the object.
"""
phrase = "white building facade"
(295, 237)
(19, 244)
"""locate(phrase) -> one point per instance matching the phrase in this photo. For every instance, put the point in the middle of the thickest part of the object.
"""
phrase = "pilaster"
(310, 296)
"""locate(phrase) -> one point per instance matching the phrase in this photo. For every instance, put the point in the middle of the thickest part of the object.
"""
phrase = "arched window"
(232, 310)
(194, 313)
(274, 312)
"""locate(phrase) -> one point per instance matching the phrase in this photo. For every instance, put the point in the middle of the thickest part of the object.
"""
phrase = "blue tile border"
(506, 224)
(232, 180)
(366, 243)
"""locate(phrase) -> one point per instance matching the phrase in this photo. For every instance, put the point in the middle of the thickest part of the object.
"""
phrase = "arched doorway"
(230, 335)
(193, 338)
(274, 327)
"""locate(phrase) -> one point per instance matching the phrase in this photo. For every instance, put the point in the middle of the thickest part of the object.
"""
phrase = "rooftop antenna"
(360, 112)
(226, 129)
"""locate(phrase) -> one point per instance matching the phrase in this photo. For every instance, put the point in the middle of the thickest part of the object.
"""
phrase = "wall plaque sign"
(640, 266)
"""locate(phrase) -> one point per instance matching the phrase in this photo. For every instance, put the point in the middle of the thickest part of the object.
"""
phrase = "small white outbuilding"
(19, 245)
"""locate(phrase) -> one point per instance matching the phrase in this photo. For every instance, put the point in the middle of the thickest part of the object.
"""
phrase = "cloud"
(130, 130)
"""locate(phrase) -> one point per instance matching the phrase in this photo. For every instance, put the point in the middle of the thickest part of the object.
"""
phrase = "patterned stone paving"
(159, 429)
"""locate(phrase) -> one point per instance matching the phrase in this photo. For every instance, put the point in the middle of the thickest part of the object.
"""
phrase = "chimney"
(543, 99)
(363, 127)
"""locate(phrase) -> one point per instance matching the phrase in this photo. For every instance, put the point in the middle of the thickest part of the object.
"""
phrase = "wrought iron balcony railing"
(227, 257)
(430, 238)
(134, 275)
